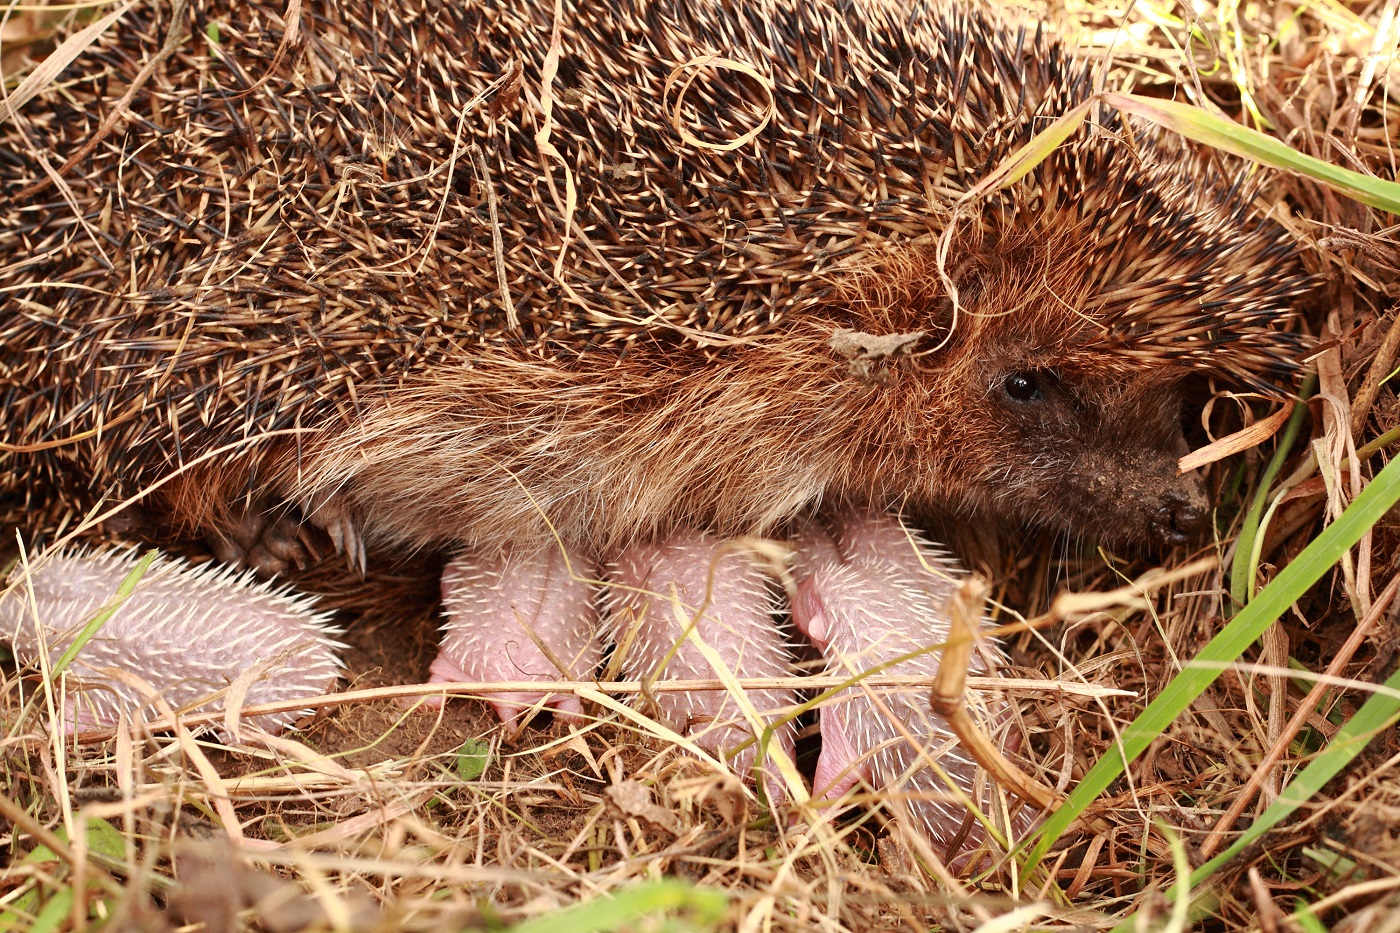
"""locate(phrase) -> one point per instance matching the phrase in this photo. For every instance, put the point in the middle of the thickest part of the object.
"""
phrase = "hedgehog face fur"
(1052, 449)
(1029, 411)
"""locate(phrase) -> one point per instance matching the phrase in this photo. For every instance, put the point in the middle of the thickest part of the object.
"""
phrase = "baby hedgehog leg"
(658, 591)
(870, 592)
(188, 631)
(519, 618)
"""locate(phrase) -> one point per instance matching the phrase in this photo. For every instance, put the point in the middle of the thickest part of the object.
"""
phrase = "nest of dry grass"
(382, 814)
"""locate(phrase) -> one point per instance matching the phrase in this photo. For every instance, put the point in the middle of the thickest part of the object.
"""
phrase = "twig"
(497, 244)
(1378, 372)
(947, 700)
(173, 36)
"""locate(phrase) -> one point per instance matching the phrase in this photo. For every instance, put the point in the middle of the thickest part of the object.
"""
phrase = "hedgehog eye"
(1025, 386)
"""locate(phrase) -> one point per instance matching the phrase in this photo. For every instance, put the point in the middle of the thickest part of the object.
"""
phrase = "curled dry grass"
(382, 814)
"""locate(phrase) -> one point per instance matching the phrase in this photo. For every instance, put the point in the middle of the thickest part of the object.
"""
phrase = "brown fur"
(499, 450)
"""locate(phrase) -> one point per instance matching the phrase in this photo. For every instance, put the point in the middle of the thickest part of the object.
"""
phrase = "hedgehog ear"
(903, 290)
(968, 274)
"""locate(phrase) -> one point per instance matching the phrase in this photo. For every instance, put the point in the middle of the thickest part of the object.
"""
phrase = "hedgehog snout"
(1134, 498)
(1183, 511)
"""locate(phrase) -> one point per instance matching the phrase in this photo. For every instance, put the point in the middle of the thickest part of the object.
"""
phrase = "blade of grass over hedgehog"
(1020, 163)
(93, 625)
(1202, 127)
(762, 731)
(1271, 602)
(1377, 715)
(1220, 133)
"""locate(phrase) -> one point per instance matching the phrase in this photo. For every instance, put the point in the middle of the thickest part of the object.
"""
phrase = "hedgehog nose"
(1183, 510)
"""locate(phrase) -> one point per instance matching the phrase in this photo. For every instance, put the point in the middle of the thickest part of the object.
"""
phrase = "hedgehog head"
(1051, 390)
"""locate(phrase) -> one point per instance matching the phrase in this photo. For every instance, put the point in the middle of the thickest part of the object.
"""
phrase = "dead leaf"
(1252, 436)
(867, 351)
(633, 799)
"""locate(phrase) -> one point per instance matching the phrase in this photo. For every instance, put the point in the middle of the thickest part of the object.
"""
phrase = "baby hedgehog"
(587, 291)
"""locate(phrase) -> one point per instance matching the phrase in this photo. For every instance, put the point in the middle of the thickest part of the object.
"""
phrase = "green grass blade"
(1195, 123)
(1308, 923)
(94, 625)
(1376, 715)
(1243, 571)
(54, 914)
(1291, 583)
(473, 758)
(624, 908)
(102, 839)
(1206, 128)
(1021, 162)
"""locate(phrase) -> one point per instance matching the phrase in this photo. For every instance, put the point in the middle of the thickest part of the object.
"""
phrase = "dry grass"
(383, 816)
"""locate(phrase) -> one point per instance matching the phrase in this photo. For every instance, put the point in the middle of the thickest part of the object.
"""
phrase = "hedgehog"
(589, 293)
(227, 616)
(860, 577)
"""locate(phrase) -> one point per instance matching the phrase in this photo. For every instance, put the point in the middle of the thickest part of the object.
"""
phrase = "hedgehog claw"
(266, 541)
(511, 708)
(331, 515)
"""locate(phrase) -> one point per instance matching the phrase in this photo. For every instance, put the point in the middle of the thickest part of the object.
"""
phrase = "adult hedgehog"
(605, 285)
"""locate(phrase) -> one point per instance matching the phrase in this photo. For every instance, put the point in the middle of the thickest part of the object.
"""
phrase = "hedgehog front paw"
(270, 541)
(332, 515)
(683, 608)
(872, 595)
(512, 618)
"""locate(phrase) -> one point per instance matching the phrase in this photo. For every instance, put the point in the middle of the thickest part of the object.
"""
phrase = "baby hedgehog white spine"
(661, 589)
(519, 618)
(190, 629)
(872, 592)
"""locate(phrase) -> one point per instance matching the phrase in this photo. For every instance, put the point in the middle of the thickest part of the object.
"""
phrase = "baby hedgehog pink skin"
(188, 630)
(871, 591)
(658, 585)
(513, 618)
